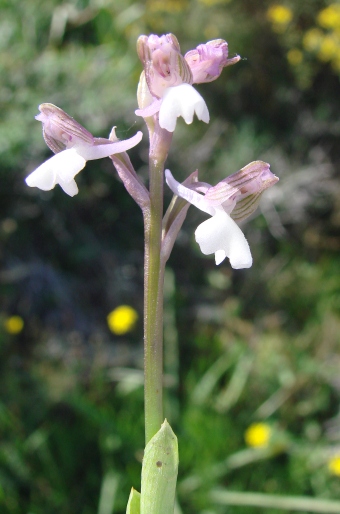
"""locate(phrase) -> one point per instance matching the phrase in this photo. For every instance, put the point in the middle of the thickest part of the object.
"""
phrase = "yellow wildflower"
(329, 18)
(279, 16)
(14, 325)
(334, 465)
(122, 319)
(328, 48)
(294, 56)
(312, 39)
(258, 435)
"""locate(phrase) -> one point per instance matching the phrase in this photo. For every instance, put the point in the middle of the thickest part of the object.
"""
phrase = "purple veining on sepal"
(61, 130)
(163, 63)
(208, 60)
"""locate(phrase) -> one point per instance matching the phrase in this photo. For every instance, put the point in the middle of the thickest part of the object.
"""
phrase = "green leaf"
(133, 506)
(159, 472)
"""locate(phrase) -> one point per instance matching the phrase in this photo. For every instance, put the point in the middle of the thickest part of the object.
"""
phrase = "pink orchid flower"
(73, 146)
(233, 199)
(166, 83)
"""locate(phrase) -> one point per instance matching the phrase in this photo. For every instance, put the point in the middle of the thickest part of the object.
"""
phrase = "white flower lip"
(182, 100)
(59, 169)
(223, 237)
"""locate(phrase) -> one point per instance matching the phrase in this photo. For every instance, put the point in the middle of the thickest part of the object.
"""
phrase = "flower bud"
(163, 63)
(208, 60)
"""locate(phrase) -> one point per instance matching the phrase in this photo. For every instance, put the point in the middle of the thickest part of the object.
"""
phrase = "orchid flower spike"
(73, 146)
(234, 198)
(166, 83)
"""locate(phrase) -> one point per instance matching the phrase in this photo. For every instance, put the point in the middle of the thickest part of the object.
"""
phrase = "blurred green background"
(252, 357)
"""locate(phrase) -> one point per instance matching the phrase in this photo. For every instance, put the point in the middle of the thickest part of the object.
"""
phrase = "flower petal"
(191, 196)
(220, 255)
(70, 188)
(100, 151)
(68, 165)
(62, 167)
(60, 130)
(150, 110)
(207, 60)
(182, 100)
(223, 194)
(221, 235)
(163, 63)
(240, 193)
(44, 176)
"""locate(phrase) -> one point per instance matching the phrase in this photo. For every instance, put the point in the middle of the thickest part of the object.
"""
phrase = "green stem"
(153, 292)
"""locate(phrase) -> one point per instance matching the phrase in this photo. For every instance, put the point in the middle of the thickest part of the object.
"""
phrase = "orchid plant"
(165, 92)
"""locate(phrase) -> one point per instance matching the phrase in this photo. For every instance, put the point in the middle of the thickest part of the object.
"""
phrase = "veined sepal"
(159, 472)
(60, 130)
(129, 177)
(163, 63)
